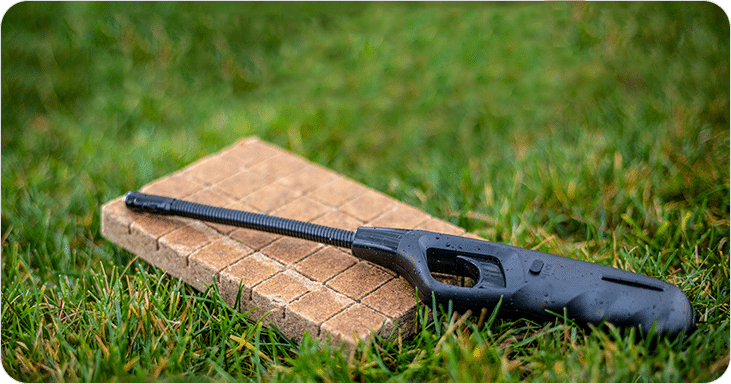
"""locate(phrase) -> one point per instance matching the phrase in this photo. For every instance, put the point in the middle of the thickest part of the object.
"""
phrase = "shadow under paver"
(298, 285)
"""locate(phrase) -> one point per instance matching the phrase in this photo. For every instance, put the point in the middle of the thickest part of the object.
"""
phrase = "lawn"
(596, 131)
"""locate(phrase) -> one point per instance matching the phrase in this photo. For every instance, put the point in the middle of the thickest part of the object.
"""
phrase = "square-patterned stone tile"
(303, 286)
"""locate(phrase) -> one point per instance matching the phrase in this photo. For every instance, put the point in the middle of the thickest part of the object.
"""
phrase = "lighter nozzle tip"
(141, 202)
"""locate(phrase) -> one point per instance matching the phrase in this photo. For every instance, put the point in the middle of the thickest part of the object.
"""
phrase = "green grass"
(590, 130)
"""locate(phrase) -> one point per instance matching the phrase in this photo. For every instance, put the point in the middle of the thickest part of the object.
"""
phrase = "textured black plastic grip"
(532, 284)
(293, 228)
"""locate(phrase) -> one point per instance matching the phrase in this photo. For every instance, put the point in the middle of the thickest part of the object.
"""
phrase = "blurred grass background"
(597, 131)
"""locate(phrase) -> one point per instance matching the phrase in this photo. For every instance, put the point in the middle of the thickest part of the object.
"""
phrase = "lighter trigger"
(486, 272)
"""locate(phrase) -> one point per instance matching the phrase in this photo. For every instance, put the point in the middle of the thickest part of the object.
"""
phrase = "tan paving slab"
(338, 191)
(206, 262)
(395, 300)
(280, 165)
(115, 222)
(337, 219)
(311, 176)
(360, 279)
(325, 264)
(241, 184)
(239, 278)
(253, 239)
(270, 197)
(175, 247)
(289, 250)
(301, 286)
(211, 169)
(177, 186)
(148, 230)
(302, 208)
(250, 151)
(368, 206)
(436, 225)
(309, 312)
(356, 322)
(272, 296)
(402, 216)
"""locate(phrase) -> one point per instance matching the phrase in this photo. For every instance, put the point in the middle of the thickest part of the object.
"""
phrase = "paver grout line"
(184, 173)
(241, 168)
(284, 307)
(380, 215)
(293, 264)
(297, 194)
(364, 295)
(353, 198)
(249, 298)
(278, 151)
(422, 222)
(148, 216)
(322, 214)
(375, 309)
(187, 257)
(284, 268)
(280, 178)
(374, 289)
(383, 269)
(284, 153)
(266, 244)
(218, 272)
(416, 303)
(337, 209)
(157, 240)
(319, 326)
(324, 282)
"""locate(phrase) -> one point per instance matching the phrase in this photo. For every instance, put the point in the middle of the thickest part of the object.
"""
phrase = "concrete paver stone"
(243, 275)
(301, 286)
(360, 279)
(325, 264)
(356, 322)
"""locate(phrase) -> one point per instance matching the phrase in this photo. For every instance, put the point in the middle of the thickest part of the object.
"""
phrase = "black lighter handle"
(531, 284)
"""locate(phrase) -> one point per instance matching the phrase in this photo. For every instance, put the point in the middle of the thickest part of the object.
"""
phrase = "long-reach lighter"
(532, 284)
